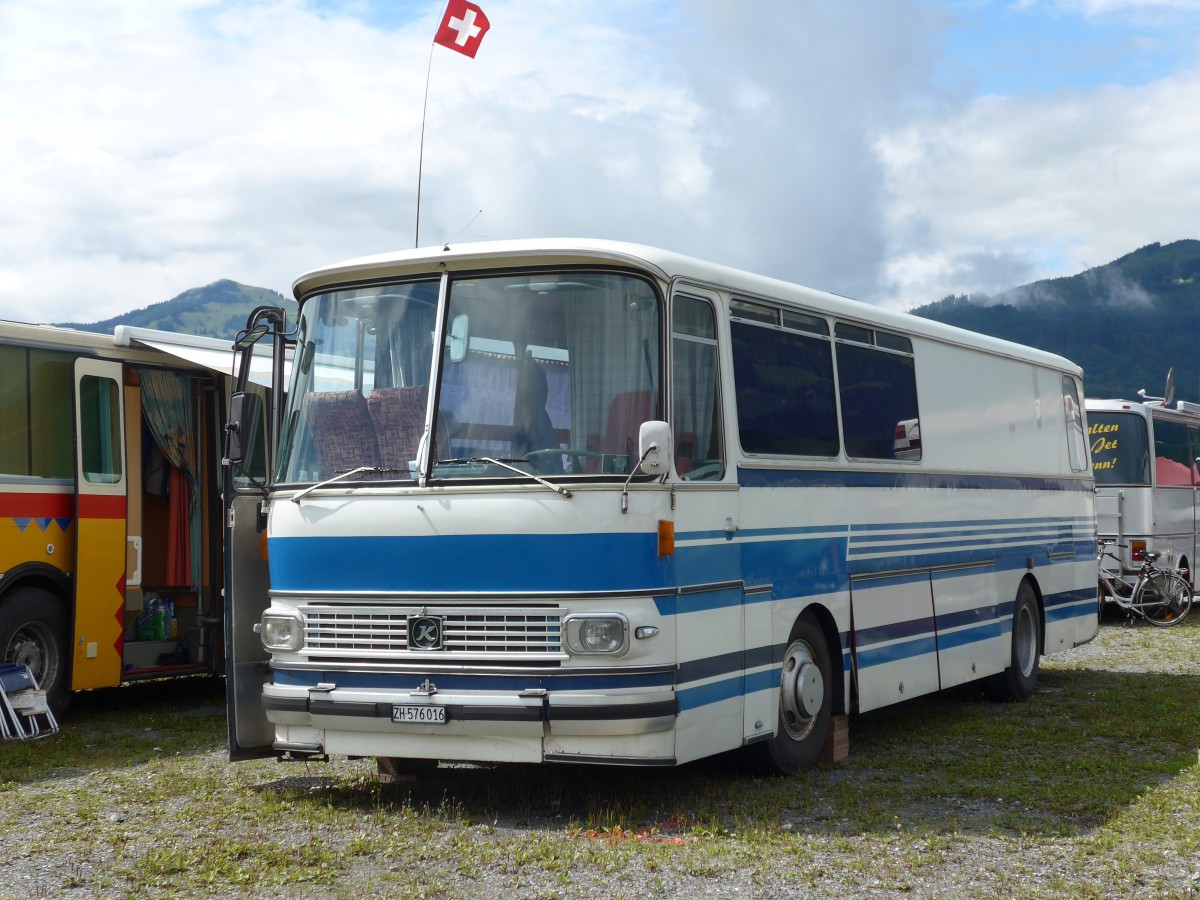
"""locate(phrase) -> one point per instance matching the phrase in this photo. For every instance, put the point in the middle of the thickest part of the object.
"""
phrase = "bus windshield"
(549, 372)
(1119, 448)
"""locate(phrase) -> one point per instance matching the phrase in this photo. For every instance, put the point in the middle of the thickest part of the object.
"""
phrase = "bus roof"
(664, 264)
(1143, 407)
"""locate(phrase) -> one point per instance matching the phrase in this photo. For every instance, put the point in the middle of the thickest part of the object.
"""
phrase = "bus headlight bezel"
(596, 634)
(282, 632)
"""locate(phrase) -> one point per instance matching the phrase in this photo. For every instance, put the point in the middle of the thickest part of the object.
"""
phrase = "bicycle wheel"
(1165, 599)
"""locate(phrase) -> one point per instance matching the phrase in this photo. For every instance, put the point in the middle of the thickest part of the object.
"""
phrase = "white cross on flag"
(463, 27)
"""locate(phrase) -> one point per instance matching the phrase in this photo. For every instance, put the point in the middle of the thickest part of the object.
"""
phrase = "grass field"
(1092, 788)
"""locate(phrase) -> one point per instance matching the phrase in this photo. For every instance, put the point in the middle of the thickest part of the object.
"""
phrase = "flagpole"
(421, 153)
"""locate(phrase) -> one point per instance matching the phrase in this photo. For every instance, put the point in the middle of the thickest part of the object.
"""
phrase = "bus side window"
(100, 429)
(878, 384)
(1172, 462)
(785, 397)
(1076, 441)
(36, 400)
(697, 392)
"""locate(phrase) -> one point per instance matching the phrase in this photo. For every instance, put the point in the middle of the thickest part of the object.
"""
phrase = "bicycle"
(1160, 597)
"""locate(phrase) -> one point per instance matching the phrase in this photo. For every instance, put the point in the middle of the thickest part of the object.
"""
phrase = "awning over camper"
(211, 353)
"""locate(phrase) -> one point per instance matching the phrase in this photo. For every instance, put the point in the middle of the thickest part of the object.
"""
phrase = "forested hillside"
(1126, 322)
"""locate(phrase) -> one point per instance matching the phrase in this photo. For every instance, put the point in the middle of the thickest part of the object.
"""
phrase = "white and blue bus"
(589, 502)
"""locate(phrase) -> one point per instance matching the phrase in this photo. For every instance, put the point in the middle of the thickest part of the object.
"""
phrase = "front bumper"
(632, 724)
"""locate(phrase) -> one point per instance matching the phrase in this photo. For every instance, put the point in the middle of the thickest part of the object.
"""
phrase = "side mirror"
(245, 409)
(459, 338)
(234, 451)
(655, 447)
(250, 336)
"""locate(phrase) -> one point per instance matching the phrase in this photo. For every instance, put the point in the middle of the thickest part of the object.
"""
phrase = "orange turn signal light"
(666, 537)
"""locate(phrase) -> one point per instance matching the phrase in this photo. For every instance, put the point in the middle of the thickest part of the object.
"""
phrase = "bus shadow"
(1085, 748)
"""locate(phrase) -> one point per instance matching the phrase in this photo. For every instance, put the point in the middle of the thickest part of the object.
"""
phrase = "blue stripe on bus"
(877, 656)
(983, 632)
(963, 617)
(767, 680)
(479, 562)
(1071, 522)
(846, 478)
(696, 697)
(893, 631)
(1070, 604)
(797, 562)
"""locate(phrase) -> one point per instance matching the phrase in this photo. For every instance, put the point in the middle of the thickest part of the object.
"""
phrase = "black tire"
(805, 704)
(1174, 599)
(33, 632)
(1019, 680)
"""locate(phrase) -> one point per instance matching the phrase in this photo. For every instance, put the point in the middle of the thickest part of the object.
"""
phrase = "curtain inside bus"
(167, 405)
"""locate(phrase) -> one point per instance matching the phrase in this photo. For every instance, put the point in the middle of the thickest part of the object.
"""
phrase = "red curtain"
(179, 554)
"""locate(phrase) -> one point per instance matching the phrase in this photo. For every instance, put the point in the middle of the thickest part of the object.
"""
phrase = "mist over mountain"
(216, 310)
(1126, 323)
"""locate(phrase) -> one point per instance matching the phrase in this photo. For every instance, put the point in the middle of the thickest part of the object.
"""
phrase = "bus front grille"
(374, 632)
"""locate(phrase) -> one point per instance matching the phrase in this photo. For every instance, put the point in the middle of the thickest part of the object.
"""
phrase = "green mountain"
(1126, 323)
(216, 310)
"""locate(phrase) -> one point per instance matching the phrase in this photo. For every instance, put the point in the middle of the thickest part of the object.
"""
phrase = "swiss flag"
(463, 27)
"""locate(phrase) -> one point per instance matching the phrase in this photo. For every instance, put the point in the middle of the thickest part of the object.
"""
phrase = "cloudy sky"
(892, 150)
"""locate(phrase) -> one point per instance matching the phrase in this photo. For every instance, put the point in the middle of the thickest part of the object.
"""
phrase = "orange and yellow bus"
(110, 550)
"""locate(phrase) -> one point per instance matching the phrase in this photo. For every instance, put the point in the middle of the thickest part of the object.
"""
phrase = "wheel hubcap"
(1026, 640)
(803, 691)
(27, 650)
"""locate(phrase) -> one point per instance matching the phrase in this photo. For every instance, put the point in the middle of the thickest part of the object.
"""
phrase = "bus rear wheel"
(33, 633)
(805, 704)
(1019, 680)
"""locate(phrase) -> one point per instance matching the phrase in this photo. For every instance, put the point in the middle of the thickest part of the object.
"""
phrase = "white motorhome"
(1144, 454)
(591, 502)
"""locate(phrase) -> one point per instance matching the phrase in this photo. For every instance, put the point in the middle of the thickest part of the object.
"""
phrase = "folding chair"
(24, 712)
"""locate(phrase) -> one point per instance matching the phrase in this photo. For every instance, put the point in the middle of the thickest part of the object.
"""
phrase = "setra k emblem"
(425, 633)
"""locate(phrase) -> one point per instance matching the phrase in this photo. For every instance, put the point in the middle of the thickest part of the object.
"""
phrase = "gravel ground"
(192, 824)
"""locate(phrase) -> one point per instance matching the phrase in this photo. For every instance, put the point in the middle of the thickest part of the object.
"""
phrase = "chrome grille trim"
(372, 632)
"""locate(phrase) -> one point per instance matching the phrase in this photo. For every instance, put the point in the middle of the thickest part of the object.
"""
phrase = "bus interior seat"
(626, 414)
(685, 452)
(399, 417)
(342, 434)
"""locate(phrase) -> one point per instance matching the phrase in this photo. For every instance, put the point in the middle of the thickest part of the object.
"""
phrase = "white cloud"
(159, 146)
(1021, 188)
(151, 147)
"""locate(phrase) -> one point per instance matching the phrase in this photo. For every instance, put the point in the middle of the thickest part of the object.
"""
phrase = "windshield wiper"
(376, 470)
(506, 464)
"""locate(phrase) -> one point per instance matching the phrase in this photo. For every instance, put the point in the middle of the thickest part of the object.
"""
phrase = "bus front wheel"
(805, 704)
(33, 632)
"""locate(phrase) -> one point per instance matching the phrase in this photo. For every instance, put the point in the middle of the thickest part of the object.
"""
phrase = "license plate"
(419, 714)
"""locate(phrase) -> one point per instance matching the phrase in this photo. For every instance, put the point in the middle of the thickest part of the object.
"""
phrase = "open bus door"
(246, 596)
(249, 450)
(100, 524)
